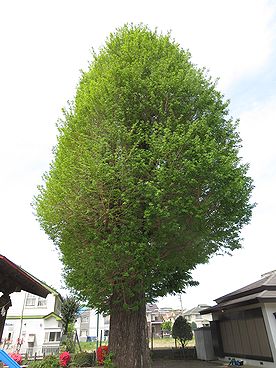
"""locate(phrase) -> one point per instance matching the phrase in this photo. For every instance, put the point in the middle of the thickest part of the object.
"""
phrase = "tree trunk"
(128, 337)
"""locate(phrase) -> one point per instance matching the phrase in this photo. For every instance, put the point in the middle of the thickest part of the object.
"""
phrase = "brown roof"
(14, 278)
(268, 282)
(263, 290)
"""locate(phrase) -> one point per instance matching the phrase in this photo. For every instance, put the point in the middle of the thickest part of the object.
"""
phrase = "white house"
(33, 324)
(193, 316)
(91, 326)
(154, 320)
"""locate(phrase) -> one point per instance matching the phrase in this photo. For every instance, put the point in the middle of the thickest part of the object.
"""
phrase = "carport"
(14, 279)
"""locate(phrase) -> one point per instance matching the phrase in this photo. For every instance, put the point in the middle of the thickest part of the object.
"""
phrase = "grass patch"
(168, 342)
(90, 346)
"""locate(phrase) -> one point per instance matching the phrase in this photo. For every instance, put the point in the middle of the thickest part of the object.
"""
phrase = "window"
(84, 319)
(31, 340)
(83, 333)
(52, 336)
(30, 300)
(106, 320)
(41, 302)
(58, 306)
(34, 301)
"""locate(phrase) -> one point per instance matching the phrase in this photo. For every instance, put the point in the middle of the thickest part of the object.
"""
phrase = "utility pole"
(181, 305)
(97, 342)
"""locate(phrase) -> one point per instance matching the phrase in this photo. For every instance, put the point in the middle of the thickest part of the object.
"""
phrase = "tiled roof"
(268, 282)
(263, 290)
(151, 308)
(196, 310)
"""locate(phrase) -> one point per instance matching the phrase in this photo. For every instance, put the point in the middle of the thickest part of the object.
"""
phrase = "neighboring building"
(156, 316)
(33, 323)
(154, 321)
(88, 320)
(244, 325)
(170, 314)
(91, 326)
(194, 317)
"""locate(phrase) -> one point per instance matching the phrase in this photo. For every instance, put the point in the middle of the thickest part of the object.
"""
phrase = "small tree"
(69, 312)
(182, 331)
(167, 326)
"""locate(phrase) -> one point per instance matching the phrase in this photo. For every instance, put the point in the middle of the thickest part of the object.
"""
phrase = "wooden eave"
(14, 278)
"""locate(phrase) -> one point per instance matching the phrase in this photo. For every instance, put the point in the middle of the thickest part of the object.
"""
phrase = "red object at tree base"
(102, 352)
(64, 359)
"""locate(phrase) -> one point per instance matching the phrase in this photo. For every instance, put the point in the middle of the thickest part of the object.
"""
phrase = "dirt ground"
(186, 364)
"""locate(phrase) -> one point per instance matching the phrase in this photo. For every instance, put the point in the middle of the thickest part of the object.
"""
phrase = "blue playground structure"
(6, 359)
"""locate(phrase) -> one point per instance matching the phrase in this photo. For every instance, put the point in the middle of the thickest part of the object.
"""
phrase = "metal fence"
(33, 353)
(40, 351)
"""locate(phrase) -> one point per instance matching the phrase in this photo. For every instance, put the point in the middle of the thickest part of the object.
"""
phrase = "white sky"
(44, 44)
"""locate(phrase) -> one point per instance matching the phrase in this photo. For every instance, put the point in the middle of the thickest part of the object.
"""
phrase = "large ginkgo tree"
(145, 184)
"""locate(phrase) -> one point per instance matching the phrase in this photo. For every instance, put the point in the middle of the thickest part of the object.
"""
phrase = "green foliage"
(69, 339)
(108, 361)
(146, 182)
(167, 326)
(182, 330)
(69, 311)
(193, 326)
(50, 361)
(83, 359)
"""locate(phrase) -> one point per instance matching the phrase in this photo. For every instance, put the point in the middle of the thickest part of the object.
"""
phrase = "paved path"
(186, 364)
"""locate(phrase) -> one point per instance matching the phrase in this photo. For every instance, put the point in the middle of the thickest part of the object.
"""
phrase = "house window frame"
(30, 300)
(41, 302)
(52, 336)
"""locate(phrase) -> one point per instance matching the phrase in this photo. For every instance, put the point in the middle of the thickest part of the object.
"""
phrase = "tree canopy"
(146, 181)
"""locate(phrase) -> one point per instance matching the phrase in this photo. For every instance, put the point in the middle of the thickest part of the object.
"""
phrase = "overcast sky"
(44, 44)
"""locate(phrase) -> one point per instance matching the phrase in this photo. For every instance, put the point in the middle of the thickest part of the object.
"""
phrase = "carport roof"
(14, 278)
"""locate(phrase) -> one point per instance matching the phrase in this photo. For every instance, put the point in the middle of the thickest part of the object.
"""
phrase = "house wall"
(200, 320)
(86, 325)
(32, 333)
(246, 332)
(41, 306)
(270, 321)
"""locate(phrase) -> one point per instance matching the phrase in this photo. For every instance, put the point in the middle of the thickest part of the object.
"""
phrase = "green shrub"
(182, 330)
(50, 361)
(83, 359)
(108, 361)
